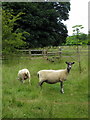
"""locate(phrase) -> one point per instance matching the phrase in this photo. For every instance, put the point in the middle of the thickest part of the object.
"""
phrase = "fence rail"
(52, 52)
(41, 52)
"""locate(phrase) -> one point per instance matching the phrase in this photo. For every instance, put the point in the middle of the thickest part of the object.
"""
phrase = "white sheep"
(23, 75)
(54, 76)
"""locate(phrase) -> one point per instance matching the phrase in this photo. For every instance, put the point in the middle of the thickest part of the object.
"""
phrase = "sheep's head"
(69, 65)
(25, 76)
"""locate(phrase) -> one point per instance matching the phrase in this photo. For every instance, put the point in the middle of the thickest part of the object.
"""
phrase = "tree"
(11, 40)
(77, 39)
(89, 37)
(43, 21)
(83, 39)
(77, 32)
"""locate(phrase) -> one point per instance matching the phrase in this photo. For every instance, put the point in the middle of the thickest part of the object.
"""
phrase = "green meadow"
(25, 101)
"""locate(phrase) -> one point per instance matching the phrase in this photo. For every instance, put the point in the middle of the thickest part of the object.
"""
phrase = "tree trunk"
(78, 56)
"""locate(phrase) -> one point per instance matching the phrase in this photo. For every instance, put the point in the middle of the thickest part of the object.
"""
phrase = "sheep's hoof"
(23, 81)
(62, 92)
(30, 83)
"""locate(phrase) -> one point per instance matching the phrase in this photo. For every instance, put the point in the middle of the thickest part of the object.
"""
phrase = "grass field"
(25, 101)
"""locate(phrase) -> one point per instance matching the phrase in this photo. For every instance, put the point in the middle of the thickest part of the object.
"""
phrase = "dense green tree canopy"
(43, 20)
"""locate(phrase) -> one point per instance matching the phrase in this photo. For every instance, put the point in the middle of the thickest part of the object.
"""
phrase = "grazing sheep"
(23, 75)
(54, 76)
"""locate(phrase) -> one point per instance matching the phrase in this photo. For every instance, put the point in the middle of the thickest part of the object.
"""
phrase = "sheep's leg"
(62, 91)
(29, 78)
(40, 83)
(29, 81)
(22, 80)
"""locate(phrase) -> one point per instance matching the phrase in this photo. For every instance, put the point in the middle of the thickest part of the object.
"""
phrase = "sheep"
(54, 76)
(23, 75)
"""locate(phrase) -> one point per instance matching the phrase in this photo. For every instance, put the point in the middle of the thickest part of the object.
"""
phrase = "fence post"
(30, 53)
(60, 52)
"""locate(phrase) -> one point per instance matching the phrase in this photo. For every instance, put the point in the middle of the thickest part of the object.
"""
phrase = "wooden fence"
(42, 53)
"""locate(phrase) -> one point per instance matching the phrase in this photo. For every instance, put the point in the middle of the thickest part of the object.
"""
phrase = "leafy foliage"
(89, 37)
(82, 39)
(78, 38)
(42, 20)
(11, 39)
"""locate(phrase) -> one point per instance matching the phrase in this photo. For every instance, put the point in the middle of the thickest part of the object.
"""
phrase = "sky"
(78, 15)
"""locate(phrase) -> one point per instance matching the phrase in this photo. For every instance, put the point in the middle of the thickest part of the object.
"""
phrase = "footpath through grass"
(25, 101)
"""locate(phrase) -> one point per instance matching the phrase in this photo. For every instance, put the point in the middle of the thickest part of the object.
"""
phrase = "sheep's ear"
(66, 62)
(73, 62)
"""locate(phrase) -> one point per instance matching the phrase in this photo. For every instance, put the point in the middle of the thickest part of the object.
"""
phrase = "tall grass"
(25, 101)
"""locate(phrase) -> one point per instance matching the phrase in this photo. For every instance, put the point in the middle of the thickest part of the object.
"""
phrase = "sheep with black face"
(54, 76)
